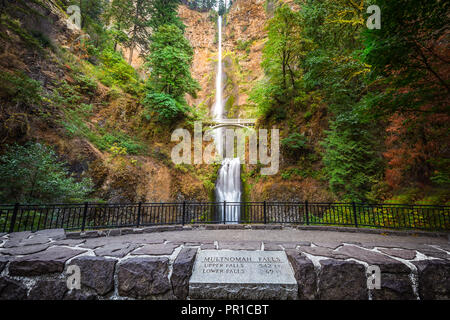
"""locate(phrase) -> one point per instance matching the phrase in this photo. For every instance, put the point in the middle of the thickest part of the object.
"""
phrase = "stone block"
(434, 279)
(143, 277)
(304, 274)
(48, 261)
(182, 269)
(342, 280)
(11, 289)
(48, 290)
(96, 273)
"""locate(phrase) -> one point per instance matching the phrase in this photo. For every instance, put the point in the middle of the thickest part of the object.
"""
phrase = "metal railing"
(90, 216)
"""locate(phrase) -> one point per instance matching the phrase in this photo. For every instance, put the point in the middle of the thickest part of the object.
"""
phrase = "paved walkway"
(291, 235)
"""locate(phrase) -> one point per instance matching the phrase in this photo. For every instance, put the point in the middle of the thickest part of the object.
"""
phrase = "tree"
(164, 12)
(32, 174)
(170, 79)
(120, 14)
(334, 68)
(409, 53)
(284, 47)
(170, 60)
(139, 35)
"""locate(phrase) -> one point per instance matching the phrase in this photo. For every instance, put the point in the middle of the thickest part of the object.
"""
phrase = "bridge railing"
(91, 216)
(232, 121)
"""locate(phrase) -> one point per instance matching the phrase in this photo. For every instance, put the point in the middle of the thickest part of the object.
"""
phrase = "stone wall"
(133, 266)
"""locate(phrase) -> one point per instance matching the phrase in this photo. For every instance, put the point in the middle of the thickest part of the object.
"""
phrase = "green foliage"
(283, 52)
(32, 174)
(385, 217)
(116, 71)
(351, 159)
(85, 84)
(407, 49)
(244, 45)
(170, 61)
(164, 12)
(164, 107)
(20, 88)
(295, 143)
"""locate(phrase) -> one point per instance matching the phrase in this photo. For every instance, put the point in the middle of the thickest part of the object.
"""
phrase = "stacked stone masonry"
(113, 266)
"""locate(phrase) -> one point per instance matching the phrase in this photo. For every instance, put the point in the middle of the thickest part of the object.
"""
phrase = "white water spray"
(228, 185)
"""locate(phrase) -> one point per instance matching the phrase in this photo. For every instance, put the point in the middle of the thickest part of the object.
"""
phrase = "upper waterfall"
(228, 184)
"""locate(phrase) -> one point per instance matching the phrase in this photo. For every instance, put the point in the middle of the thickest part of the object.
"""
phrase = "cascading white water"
(228, 185)
(228, 188)
(218, 106)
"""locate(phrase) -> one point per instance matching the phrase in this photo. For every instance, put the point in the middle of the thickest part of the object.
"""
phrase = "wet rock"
(54, 234)
(114, 233)
(208, 246)
(342, 280)
(434, 279)
(322, 252)
(99, 242)
(329, 245)
(143, 277)
(117, 250)
(400, 253)
(271, 246)
(18, 239)
(73, 235)
(48, 261)
(304, 274)
(15, 251)
(247, 245)
(3, 262)
(48, 290)
(91, 234)
(11, 289)
(394, 287)
(96, 273)
(182, 269)
(68, 242)
(385, 263)
(156, 249)
(434, 253)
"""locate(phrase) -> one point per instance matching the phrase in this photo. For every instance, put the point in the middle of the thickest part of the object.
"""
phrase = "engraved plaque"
(228, 274)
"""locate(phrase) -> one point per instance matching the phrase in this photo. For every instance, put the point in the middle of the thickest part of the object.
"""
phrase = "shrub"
(32, 174)
(295, 143)
(166, 108)
(20, 88)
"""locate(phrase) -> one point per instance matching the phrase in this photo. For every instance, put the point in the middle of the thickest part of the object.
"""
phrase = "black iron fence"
(90, 216)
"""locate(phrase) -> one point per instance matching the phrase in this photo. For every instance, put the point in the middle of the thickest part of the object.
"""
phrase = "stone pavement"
(157, 262)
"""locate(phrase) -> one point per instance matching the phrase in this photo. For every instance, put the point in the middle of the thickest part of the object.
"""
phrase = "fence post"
(307, 212)
(265, 212)
(83, 224)
(13, 218)
(224, 212)
(139, 215)
(184, 213)
(354, 214)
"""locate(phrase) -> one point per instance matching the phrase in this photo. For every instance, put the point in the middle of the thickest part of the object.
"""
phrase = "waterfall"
(228, 184)
(228, 188)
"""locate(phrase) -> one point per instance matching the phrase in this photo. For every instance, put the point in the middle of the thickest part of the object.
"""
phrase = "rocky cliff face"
(201, 32)
(243, 43)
